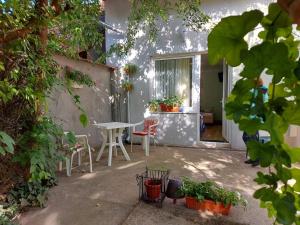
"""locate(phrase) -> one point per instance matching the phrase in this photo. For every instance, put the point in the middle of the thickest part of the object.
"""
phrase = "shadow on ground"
(109, 195)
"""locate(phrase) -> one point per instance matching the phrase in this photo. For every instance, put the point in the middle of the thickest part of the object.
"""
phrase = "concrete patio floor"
(109, 195)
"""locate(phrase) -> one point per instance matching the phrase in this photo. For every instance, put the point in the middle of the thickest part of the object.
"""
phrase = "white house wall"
(172, 38)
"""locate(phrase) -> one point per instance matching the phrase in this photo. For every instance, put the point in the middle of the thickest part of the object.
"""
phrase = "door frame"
(226, 124)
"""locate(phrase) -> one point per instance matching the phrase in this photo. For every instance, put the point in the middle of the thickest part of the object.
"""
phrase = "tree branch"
(32, 24)
(15, 34)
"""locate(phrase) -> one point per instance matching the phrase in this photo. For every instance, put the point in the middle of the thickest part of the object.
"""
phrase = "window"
(174, 77)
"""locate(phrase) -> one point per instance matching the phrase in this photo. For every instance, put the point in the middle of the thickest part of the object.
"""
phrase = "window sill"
(173, 113)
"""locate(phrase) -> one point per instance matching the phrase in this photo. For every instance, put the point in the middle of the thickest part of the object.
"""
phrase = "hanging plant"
(130, 69)
(127, 86)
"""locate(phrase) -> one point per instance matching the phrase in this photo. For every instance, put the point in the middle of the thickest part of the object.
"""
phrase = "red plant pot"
(193, 203)
(163, 107)
(207, 205)
(153, 188)
(168, 108)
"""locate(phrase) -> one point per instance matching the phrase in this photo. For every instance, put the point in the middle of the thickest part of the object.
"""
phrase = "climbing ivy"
(275, 54)
(147, 15)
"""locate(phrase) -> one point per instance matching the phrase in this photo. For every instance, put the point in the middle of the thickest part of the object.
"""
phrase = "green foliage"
(7, 213)
(227, 38)
(127, 86)
(32, 194)
(154, 104)
(130, 69)
(276, 54)
(79, 78)
(28, 74)
(211, 191)
(171, 101)
(39, 147)
(6, 143)
(147, 14)
(191, 14)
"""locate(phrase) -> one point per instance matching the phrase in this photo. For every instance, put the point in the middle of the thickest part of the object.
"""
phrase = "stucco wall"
(95, 100)
(173, 40)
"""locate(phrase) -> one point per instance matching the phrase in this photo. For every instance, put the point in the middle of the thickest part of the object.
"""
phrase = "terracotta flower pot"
(193, 203)
(153, 188)
(168, 108)
(217, 208)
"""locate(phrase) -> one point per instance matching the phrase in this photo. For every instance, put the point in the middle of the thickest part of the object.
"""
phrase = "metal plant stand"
(155, 174)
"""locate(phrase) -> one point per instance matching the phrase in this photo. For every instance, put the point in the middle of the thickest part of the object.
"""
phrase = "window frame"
(196, 65)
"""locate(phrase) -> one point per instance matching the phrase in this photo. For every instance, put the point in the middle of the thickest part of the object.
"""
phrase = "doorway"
(213, 82)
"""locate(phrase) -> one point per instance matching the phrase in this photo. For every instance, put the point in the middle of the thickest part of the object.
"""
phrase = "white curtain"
(174, 77)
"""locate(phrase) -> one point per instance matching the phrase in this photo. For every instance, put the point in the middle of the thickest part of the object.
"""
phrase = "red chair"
(149, 131)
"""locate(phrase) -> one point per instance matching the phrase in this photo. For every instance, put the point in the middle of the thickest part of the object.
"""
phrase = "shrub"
(211, 191)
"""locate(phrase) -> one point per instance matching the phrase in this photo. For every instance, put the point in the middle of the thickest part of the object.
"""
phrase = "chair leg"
(116, 151)
(60, 166)
(71, 163)
(131, 143)
(79, 158)
(146, 141)
(68, 167)
(90, 156)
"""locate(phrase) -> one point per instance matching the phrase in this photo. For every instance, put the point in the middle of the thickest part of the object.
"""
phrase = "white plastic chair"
(149, 131)
(82, 144)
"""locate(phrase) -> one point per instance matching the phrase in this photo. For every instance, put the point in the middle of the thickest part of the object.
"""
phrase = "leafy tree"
(277, 55)
(30, 33)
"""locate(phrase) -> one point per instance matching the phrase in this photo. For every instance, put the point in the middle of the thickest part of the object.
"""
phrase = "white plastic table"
(113, 131)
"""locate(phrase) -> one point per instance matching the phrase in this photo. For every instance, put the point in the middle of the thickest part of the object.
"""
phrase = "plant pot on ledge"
(169, 108)
(153, 188)
(207, 205)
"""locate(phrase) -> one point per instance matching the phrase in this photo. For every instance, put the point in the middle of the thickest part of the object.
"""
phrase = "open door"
(226, 91)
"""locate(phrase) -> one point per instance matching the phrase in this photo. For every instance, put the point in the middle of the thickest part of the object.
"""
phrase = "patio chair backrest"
(149, 122)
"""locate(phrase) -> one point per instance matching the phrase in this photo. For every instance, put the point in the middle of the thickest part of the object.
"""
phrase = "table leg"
(110, 147)
(104, 135)
(120, 143)
(115, 140)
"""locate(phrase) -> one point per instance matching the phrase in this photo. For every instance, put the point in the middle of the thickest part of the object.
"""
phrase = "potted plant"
(153, 105)
(153, 188)
(171, 104)
(130, 69)
(210, 196)
(127, 86)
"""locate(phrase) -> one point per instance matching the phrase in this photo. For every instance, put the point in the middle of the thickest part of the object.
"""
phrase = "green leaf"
(277, 23)
(286, 210)
(226, 40)
(265, 194)
(265, 153)
(84, 119)
(8, 143)
(291, 114)
(274, 57)
(276, 126)
(271, 179)
(2, 66)
(251, 126)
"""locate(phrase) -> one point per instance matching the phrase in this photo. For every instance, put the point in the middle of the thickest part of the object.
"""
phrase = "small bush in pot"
(210, 196)
(154, 105)
(171, 104)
